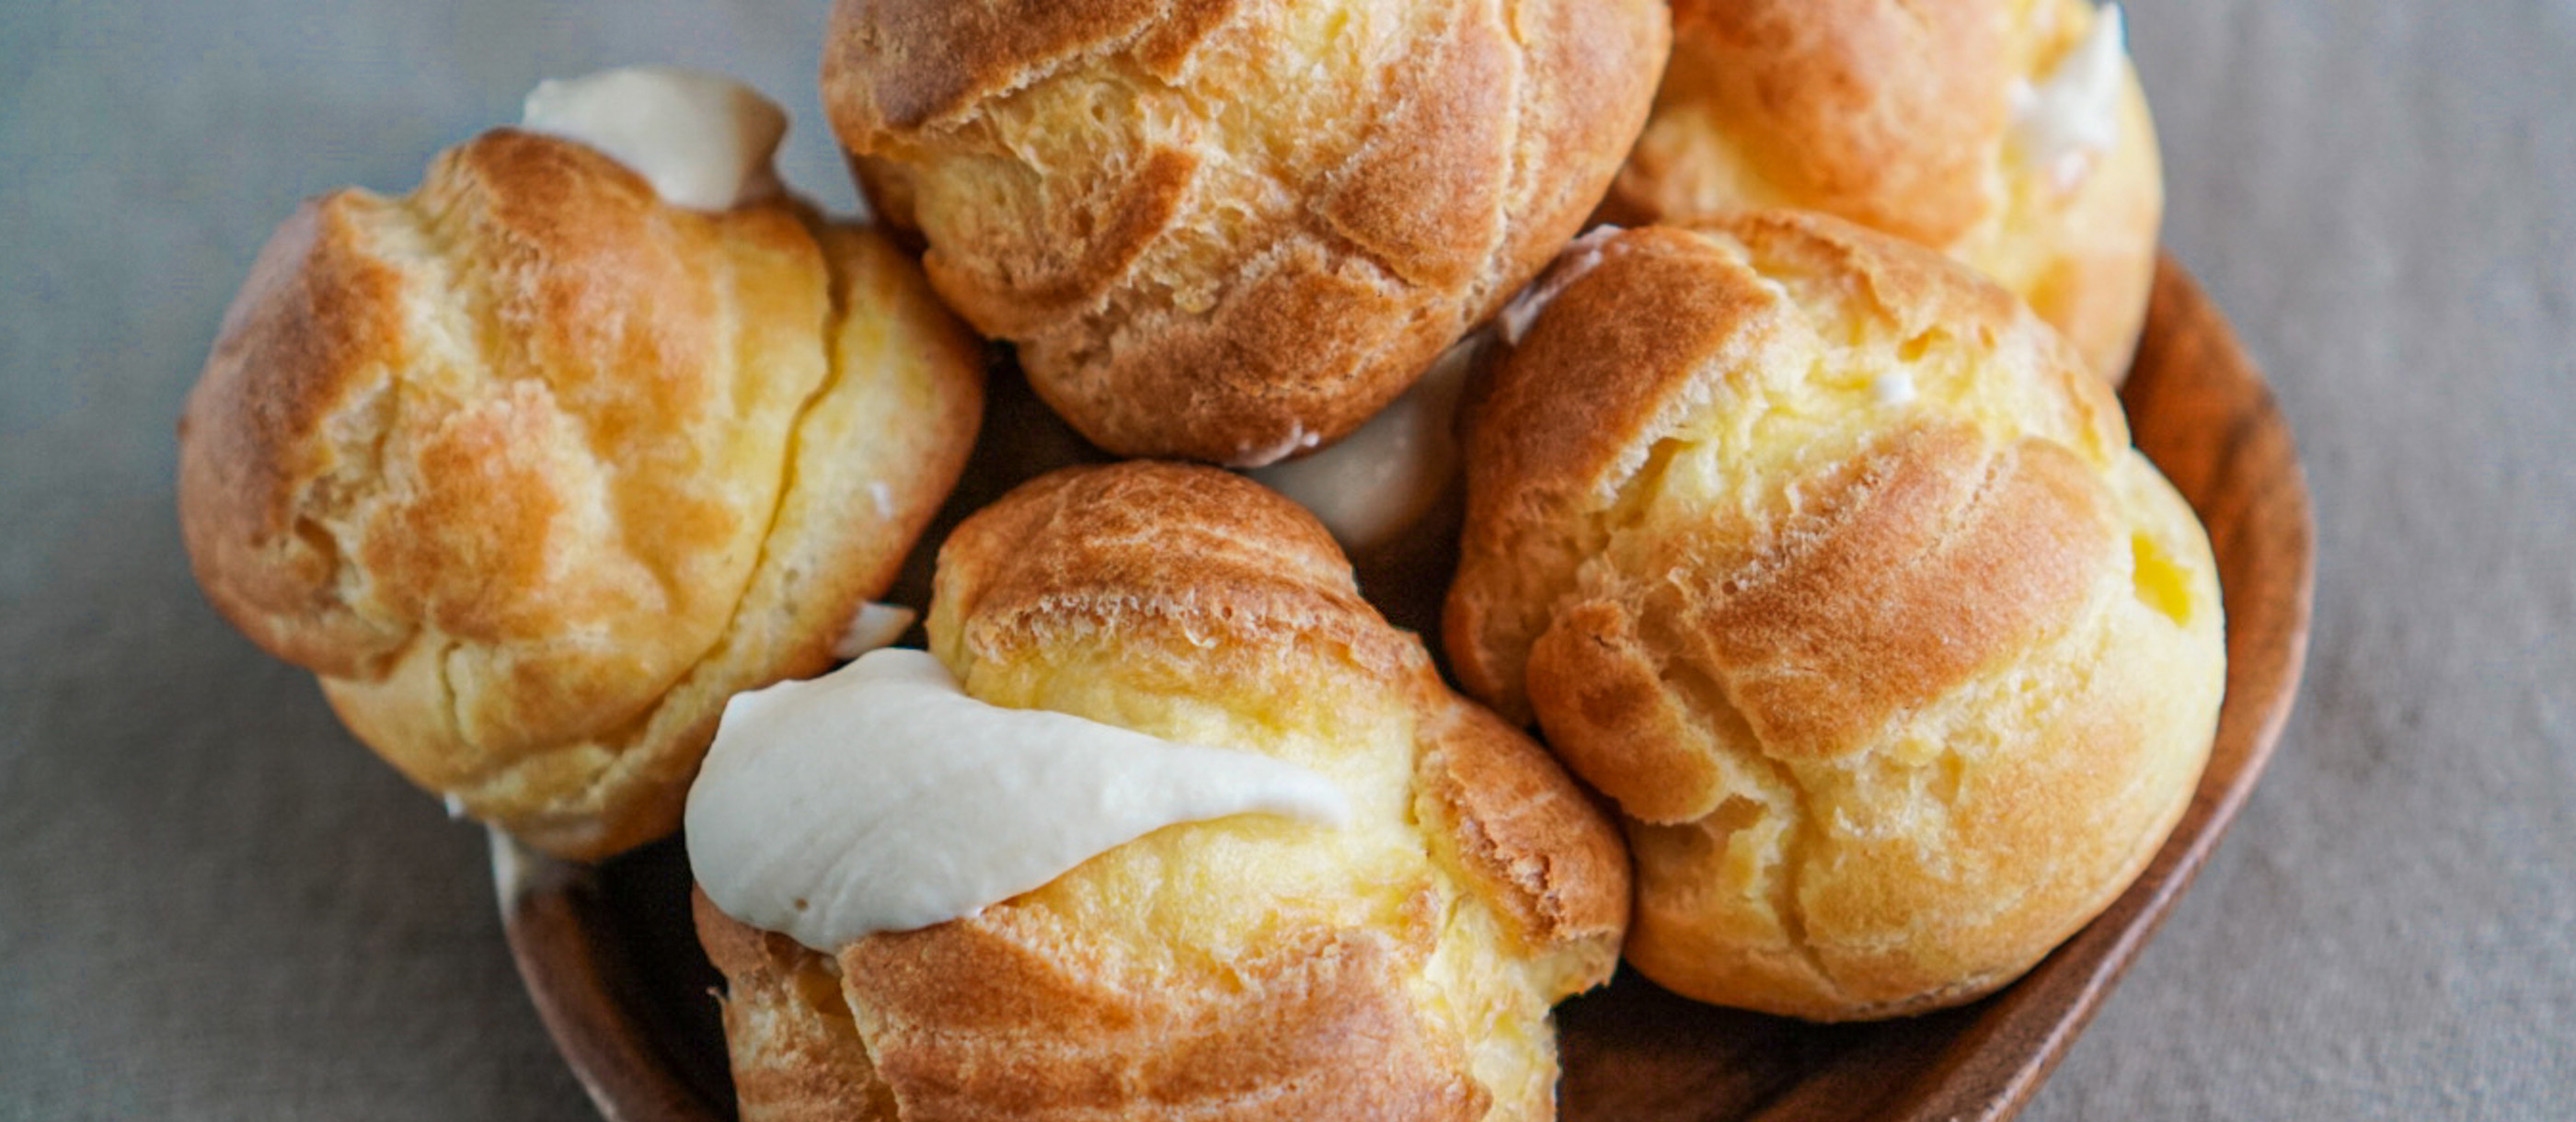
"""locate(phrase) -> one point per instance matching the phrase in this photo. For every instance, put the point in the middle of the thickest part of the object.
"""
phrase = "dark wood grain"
(595, 947)
(605, 956)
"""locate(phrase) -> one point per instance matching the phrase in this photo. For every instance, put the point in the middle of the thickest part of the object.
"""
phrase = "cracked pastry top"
(1231, 231)
(1399, 964)
(2011, 134)
(1835, 568)
(535, 469)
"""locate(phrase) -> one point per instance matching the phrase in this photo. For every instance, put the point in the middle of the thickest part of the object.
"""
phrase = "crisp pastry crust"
(1231, 231)
(536, 470)
(1401, 965)
(1834, 567)
(1898, 116)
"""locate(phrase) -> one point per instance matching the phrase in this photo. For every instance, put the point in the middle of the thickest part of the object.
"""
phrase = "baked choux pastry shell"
(1834, 567)
(1399, 965)
(535, 469)
(1231, 232)
(1899, 116)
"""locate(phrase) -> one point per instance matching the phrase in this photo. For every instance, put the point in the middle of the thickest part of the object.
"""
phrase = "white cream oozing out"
(702, 140)
(1577, 258)
(1297, 440)
(874, 625)
(1895, 387)
(880, 797)
(1380, 480)
(2073, 115)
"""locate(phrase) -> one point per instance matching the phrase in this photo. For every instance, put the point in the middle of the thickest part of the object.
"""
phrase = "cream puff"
(1834, 567)
(538, 465)
(2011, 134)
(1364, 908)
(1232, 233)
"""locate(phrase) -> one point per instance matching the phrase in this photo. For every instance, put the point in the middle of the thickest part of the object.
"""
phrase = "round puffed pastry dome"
(1900, 116)
(1401, 964)
(1835, 568)
(535, 469)
(1232, 231)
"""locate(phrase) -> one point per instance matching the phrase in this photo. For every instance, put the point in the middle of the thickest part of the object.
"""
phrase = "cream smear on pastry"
(702, 140)
(1893, 388)
(880, 797)
(1381, 479)
(1297, 440)
(874, 625)
(2073, 115)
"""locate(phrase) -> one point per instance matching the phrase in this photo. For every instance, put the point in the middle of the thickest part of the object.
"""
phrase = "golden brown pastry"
(1399, 965)
(1232, 231)
(2011, 134)
(536, 469)
(1834, 567)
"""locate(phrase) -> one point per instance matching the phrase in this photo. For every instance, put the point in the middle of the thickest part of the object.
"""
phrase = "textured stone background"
(214, 906)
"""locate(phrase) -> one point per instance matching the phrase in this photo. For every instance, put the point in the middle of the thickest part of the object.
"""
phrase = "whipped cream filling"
(1383, 478)
(880, 797)
(1259, 455)
(1892, 388)
(874, 625)
(2073, 115)
(1577, 258)
(702, 140)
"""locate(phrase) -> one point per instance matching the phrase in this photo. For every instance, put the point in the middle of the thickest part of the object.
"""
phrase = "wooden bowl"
(613, 966)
